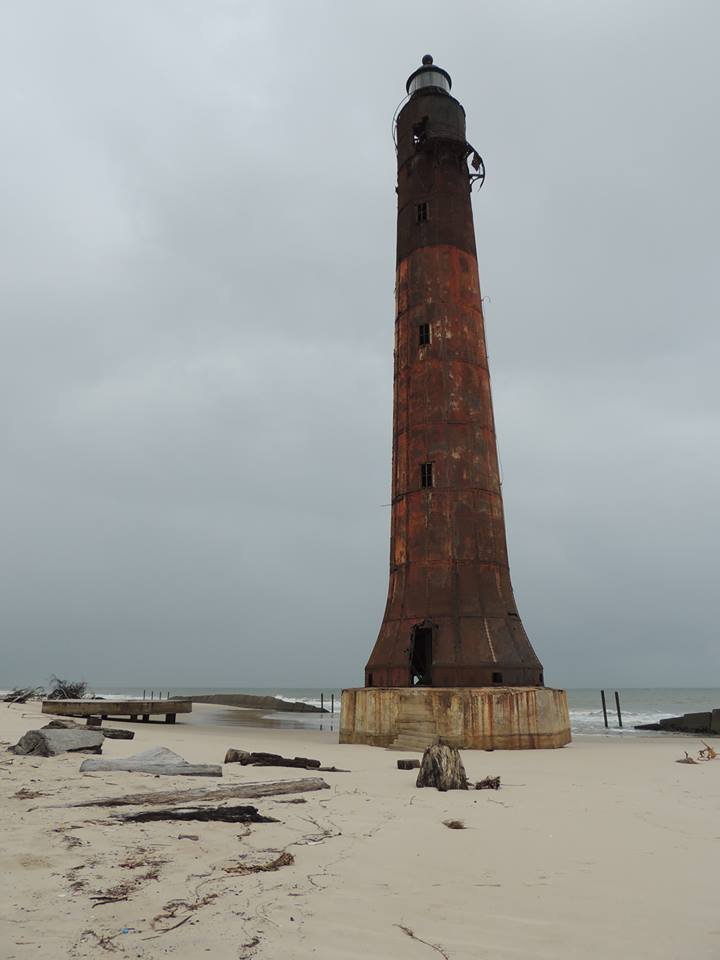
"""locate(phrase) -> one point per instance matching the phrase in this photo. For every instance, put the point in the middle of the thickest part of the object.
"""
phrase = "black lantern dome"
(428, 75)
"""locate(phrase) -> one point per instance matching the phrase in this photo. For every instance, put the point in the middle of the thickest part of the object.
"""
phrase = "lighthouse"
(452, 657)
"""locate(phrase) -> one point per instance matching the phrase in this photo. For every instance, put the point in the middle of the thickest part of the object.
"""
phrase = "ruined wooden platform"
(111, 709)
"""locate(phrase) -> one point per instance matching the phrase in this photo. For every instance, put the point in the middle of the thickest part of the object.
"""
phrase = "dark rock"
(408, 764)
(116, 733)
(61, 723)
(49, 743)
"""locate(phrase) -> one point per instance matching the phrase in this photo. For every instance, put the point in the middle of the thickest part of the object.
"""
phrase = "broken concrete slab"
(50, 743)
(706, 722)
(112, 733)
(158, 761)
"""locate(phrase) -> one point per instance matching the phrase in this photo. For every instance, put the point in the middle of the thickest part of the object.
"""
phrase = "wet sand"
(606, 847)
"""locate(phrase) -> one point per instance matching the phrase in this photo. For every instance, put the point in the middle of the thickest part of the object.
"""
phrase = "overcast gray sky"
(196, 332)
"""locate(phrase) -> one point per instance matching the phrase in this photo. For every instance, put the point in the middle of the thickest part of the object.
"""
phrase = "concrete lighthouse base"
(479, 718)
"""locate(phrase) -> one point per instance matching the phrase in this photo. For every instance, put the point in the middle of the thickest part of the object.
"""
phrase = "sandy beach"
(606, 847)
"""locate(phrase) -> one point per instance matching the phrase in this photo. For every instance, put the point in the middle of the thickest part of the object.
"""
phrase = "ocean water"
(586, 718)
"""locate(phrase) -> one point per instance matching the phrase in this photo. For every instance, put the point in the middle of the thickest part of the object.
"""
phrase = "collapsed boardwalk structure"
(452, 658)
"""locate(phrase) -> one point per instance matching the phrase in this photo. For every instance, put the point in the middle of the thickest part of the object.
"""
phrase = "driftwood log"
(269, 760)
(489, 783)
(158, 761)
(117, 733)
(442, 767)
(275, 760)
(408, 764)
(248, 791)
(236, 814)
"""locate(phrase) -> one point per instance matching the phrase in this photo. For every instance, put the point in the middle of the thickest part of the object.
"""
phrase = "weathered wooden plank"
(269, 788)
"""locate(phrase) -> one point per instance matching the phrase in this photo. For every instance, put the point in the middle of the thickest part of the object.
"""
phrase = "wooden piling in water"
(604, 706)
(617, 707)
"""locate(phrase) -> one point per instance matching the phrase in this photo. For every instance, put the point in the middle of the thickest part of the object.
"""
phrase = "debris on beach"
(49, 743)
(269, 760)
(158, 761)
(23, 694)
(408, 764)
(489, 783)
(66, 689)
(25, 793)
(245, 758)
(283, 859)
(249, 791)
(116, 733)
(413, 936)
(442, 767)
(454, 824)
(708, 753)
(236, 814)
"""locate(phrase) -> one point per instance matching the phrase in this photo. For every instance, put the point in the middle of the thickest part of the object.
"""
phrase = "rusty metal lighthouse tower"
(452, 657)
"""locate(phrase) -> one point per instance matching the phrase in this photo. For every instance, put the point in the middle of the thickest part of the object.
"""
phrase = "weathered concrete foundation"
(479, 718)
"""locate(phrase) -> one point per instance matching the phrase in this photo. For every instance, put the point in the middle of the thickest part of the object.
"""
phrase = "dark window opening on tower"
(369, 680)
(497, 678)
(424, 334)
(422, 212)
(426, 474)
(421, 656)
(420, 131)
(542, 680)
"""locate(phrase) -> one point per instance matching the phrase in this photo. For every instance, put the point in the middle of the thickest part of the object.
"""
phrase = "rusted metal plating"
(451, 618)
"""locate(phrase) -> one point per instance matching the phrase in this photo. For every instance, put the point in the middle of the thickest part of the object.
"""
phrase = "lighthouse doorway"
(421, 656)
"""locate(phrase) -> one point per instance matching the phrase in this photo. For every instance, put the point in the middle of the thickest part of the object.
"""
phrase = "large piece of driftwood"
(442, 767)
(158, 761)
(249, 791)
(49, 743)
(116, 733)
(488, 783)
(275, 760)
(269, 760)
(236, 814)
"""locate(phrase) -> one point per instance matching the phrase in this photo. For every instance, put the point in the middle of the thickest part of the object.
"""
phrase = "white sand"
(607, 848)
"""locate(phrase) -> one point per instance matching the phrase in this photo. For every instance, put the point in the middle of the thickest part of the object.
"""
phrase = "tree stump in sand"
(442, 767)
